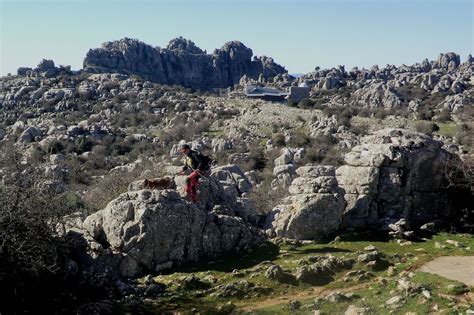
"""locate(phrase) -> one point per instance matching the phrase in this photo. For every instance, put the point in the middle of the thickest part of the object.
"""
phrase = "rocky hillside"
(445, 82)
(181, 63)
(383, 150)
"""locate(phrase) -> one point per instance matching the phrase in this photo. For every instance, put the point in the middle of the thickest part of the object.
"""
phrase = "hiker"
(199, 165)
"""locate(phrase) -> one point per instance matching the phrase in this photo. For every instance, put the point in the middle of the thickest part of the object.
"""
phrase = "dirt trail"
(460, 268)
(295, 295)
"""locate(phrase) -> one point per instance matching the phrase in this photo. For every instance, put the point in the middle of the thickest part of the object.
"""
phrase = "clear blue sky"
(299, 34)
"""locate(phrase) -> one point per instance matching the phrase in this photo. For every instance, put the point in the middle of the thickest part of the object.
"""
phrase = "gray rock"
(284, 168)
(254, 177)
(275, 272)
(318, 268)
(394, 174)
(181, 63)
(307, 216)
(394, 301)
(448, 61)
(316, 170)
(153, 229)
(183, 44)
(29, 134)
(355, 310)
(286, 157)
(232, 175)
(219, 145)
(336, 297)
(241, 289)
(47, 68)
(313, 210)
(23, 71)
(366, 257)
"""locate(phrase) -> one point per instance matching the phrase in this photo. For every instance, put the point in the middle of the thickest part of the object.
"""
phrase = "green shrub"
(425, 113)
(292, 103)
(279, 140)
(187, 131)
(299, 138)
(426, 127)
(257, 159)
(465, 136)
(264, 197)
(306, 103)
(343, 114)
(360, 130)
(444, 116)
(324, 150)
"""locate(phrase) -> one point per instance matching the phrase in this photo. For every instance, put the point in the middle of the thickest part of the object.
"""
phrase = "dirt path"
(295, 295)
(460, 268)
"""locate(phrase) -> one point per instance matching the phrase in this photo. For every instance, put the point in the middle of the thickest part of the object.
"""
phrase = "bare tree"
(30, 247)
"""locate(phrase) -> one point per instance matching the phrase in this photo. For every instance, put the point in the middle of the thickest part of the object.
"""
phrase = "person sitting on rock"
(199, 165)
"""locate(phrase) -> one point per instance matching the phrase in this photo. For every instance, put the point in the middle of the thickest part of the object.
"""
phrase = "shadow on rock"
(325, 249)
(227, 263)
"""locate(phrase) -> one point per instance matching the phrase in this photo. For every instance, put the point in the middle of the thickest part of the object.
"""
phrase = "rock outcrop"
(46, 69)
(395, 174)
(181, 62)
(314, 210)
(392, 175)
(152, 230)
(387, 87)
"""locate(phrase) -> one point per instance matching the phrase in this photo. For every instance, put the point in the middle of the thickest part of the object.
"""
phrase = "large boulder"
(30, 134)
(232, 175)
(226, 186)
(313, 211)
(392, 175)
(448, 61)
(47, 68)
(150, 230)
(395, 174)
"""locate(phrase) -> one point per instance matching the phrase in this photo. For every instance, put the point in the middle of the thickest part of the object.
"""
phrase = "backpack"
(206, 160)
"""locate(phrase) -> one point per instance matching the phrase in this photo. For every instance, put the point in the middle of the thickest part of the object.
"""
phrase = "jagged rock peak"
(122, 43)
(187, 45)
(46, 64)
(181, 63)
(237, 50)
(449, 60)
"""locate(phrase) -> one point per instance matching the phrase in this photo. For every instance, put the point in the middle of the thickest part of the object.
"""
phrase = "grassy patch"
(276, 298)
(448, 129)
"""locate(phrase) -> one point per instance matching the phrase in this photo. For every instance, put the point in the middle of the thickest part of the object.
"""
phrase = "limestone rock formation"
(151, 230)
(395, 174)
(182, 62)
(392, 175)
(187, 45)
(46, 68)
(314, 209)
(387, 87)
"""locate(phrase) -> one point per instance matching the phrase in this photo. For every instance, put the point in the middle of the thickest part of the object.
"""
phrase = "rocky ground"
(353, 274)
(386, 150)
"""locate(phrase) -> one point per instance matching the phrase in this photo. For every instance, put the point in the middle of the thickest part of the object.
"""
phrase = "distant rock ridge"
(181, 63)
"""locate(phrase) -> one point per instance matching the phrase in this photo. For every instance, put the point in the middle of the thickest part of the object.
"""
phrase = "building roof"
(253, 90)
